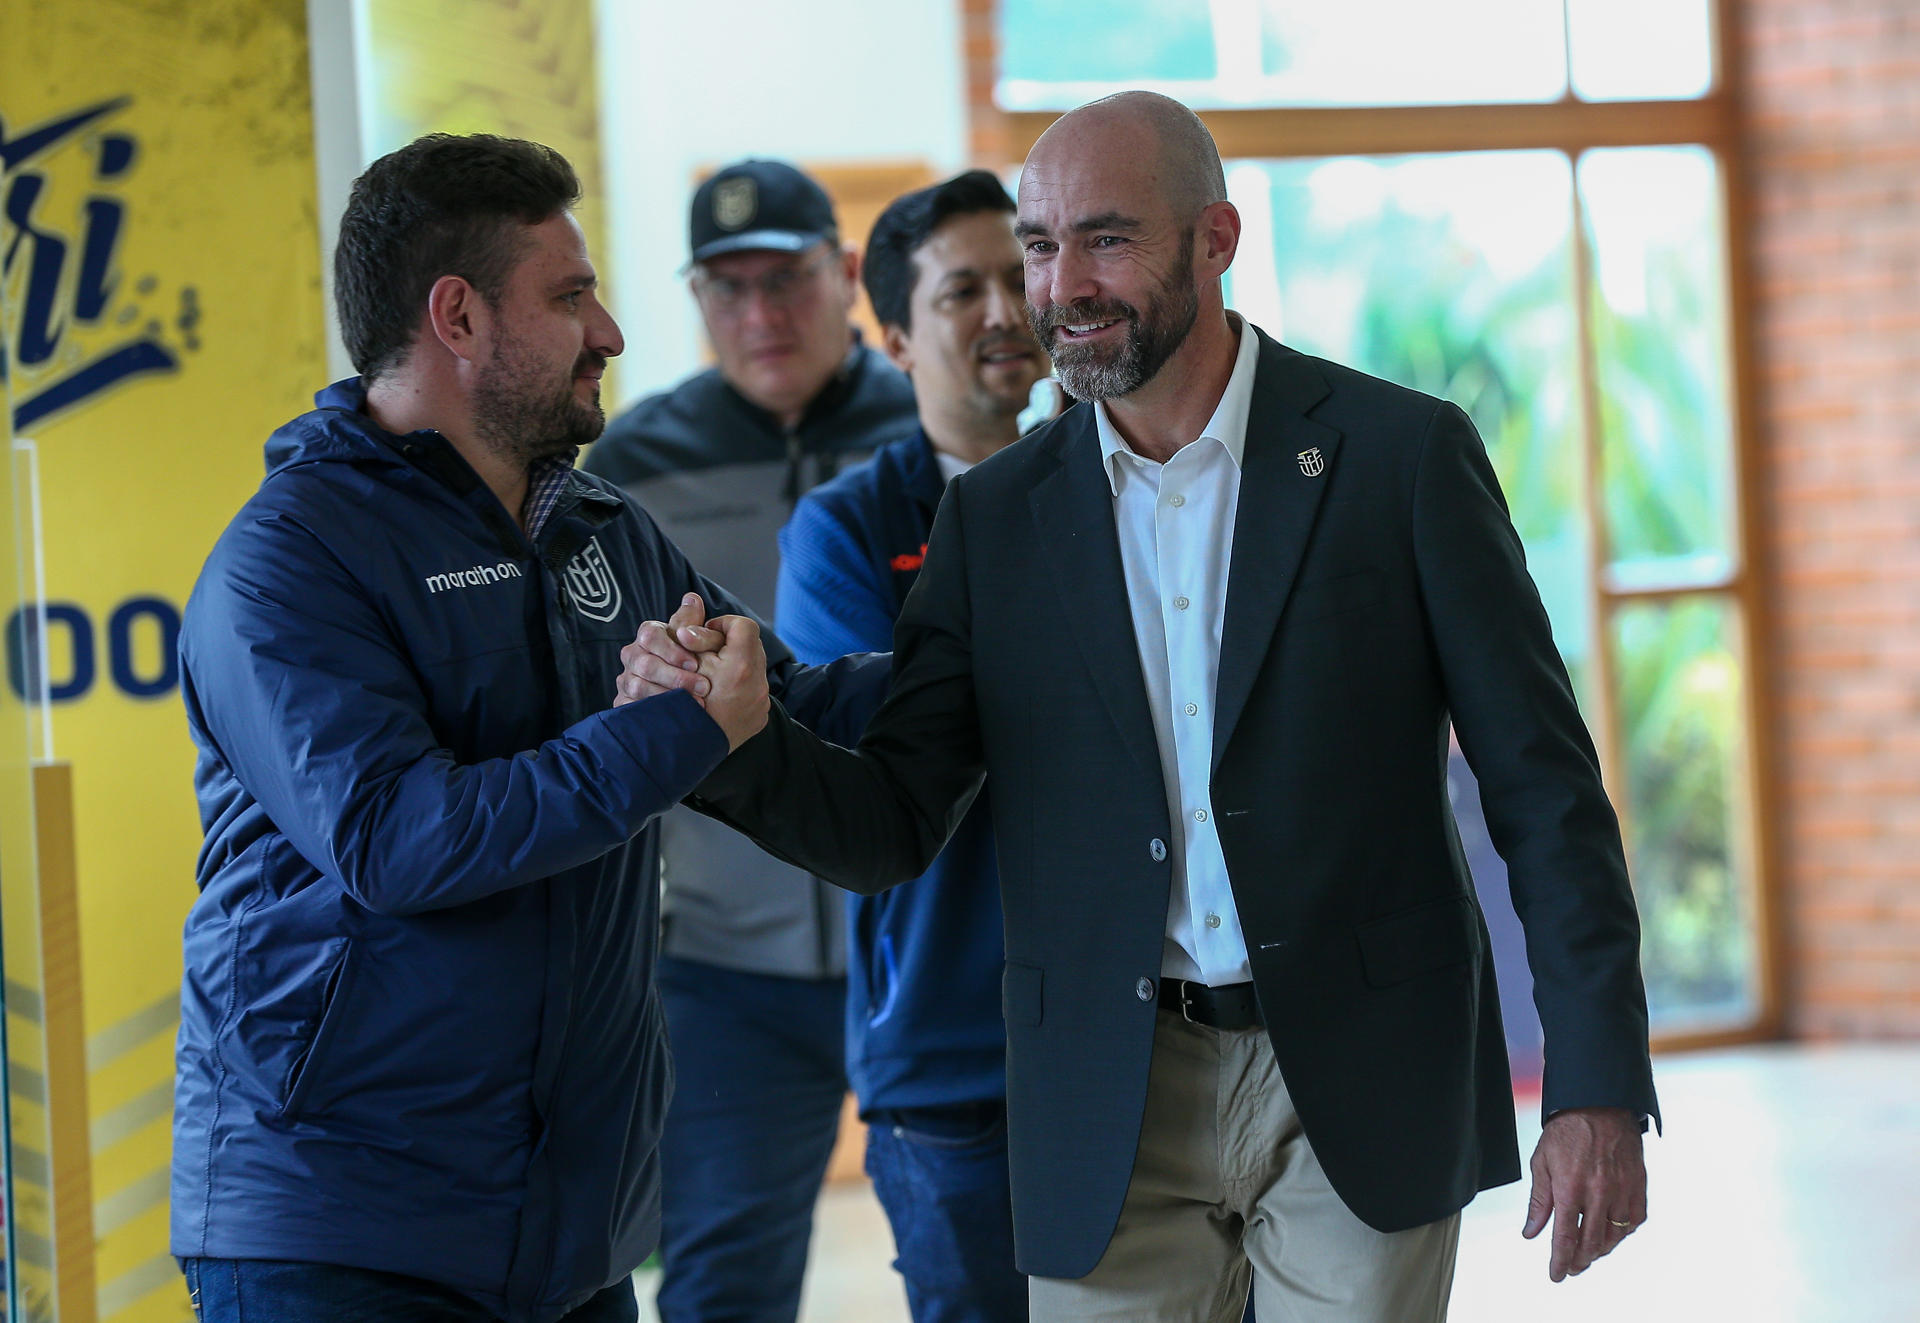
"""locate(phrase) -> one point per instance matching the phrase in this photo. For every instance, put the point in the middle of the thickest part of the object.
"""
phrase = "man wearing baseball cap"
(753, 961)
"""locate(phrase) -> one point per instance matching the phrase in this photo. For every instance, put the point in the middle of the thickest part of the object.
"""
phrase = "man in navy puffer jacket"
(421, 1065)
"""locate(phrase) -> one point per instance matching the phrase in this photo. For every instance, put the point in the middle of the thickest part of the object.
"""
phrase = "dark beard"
(519, 421)
(1087, 372)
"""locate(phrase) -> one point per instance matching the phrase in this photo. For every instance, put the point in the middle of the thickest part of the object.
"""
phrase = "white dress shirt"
(1175, 522)
(951, 466)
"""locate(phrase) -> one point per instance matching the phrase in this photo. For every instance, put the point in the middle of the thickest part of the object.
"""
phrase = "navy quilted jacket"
(418, 1027)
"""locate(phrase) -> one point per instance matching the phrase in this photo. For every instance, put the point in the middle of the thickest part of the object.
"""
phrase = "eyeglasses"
(780, 288)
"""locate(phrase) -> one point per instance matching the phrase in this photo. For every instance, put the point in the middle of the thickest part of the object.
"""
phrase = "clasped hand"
(721, 662)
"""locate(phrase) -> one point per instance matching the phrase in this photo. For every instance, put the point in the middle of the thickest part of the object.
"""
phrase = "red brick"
(1831, 90)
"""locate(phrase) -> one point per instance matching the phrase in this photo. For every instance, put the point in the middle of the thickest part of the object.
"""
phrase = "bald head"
(1185, 170)
(1126, 231)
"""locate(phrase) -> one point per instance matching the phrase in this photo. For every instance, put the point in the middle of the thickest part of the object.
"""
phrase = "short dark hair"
(443, 205)
(907, 223)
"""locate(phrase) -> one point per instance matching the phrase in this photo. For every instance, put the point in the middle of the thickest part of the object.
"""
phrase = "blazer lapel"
(1288, 461)
(1073, 512)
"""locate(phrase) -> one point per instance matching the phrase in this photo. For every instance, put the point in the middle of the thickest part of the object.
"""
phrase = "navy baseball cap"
(758, 205)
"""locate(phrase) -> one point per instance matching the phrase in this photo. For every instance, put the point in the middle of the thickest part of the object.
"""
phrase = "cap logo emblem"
(734, 202)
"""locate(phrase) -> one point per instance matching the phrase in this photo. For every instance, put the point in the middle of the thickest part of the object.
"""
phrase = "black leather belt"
(1231, 1006)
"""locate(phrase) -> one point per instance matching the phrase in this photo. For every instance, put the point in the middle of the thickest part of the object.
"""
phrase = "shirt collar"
(546, 479)
(951, 466)
(1228, 425)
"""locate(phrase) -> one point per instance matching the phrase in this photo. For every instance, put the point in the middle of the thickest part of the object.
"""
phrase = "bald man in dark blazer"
(1206, 633)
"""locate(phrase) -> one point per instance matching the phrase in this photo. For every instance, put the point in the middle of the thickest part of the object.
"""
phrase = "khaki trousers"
(1225, 1188)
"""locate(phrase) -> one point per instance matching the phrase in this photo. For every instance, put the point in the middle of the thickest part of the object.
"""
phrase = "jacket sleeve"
(295, 683)
(834, 699)
(832, 601)
(832, 598)
(1546, 809)
(869, 818)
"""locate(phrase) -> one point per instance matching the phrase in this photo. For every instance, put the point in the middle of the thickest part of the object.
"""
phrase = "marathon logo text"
(477, 577)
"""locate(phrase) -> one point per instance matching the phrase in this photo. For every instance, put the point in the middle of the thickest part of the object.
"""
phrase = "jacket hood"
(337, 428)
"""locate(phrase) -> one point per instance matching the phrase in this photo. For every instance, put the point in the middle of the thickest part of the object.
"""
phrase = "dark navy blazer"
(1377, 591)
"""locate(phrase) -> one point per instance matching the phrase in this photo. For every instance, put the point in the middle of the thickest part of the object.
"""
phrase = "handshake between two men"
(721, 662)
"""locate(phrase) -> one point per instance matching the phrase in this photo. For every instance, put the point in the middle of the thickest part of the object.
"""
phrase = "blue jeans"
(270, 1291)
(760, 1074)
(941, 1175)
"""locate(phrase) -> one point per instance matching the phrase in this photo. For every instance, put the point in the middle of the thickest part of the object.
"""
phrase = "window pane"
(1680, 709)
(1058, 53)
(1411, 52)
(1641, 49)
(1660, 335)
(1121, 43)
(1450, 274)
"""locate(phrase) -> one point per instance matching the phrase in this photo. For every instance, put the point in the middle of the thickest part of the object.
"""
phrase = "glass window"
(1456, 275)
(1453, 275)
(1281, 53)
(1660, 343)
(1051, 44)
(1680, 712)
(1641, 49)
(1388, 52)
(1218, 53)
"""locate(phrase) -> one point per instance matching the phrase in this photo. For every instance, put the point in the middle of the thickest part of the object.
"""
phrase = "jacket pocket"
(1021, 998)
(953, 1129)
(1418, 941)
(307, 1065)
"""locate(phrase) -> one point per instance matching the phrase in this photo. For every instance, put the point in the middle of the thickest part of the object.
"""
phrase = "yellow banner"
(520, 68)
(163, 311)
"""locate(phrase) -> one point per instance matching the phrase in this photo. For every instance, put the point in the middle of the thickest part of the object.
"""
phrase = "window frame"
(1000, 139)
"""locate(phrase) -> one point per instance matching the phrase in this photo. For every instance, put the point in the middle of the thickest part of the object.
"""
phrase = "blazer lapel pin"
(1312, 462)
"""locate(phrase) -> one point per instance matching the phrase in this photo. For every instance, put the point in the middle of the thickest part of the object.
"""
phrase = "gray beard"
(1088, 373)
(1087, 377)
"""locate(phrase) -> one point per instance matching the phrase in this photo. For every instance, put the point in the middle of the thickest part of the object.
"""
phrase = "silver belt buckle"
(1186, 1003)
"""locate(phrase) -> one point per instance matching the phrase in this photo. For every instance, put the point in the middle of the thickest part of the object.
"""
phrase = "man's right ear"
(458, 316)
(897, 347)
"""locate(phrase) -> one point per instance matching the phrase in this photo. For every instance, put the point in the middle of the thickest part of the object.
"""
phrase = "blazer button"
(1158, 849)
(1144, 989)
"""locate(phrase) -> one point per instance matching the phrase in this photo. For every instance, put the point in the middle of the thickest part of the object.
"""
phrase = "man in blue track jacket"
(926, 1049)
(421, 1065)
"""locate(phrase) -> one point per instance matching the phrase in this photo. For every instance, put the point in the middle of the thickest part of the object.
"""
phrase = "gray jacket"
(720, 476)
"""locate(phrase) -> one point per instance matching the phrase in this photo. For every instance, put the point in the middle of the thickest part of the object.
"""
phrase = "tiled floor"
(1787, 1190)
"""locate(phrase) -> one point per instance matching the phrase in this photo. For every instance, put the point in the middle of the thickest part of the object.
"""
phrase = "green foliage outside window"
(1677, 677)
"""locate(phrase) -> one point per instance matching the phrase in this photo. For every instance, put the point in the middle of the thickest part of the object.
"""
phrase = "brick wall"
(1832, 93)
